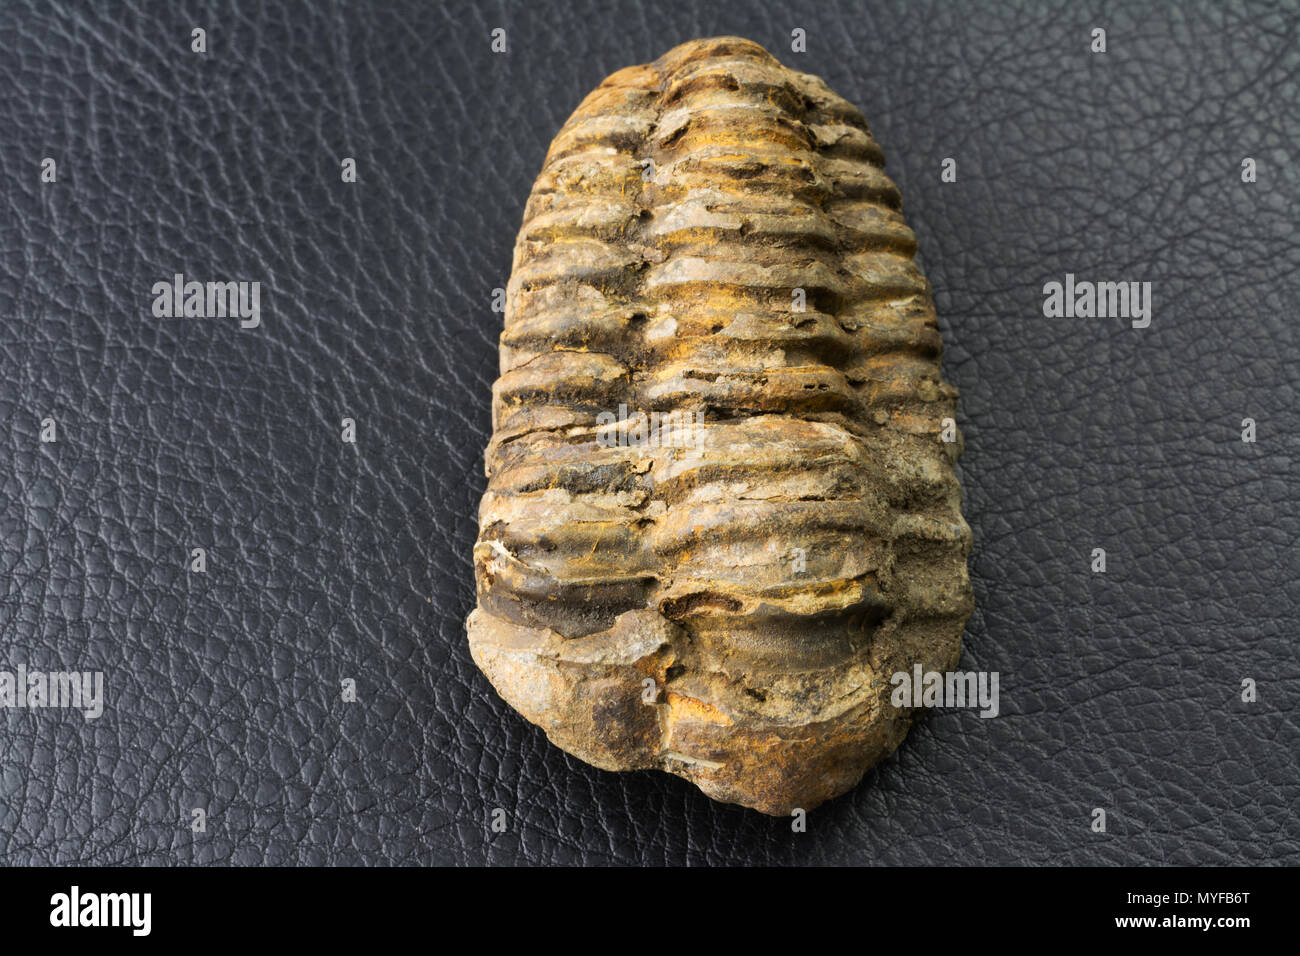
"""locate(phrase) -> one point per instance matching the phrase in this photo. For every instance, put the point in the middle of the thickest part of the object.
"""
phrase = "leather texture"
(329, 561)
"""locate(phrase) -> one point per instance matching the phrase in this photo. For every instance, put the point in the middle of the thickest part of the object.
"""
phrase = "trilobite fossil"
(721, 509)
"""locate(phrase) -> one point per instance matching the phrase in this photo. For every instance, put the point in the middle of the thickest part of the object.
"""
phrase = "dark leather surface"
(329, 561)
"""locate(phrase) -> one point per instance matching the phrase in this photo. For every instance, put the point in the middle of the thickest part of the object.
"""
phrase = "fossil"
(721, 508)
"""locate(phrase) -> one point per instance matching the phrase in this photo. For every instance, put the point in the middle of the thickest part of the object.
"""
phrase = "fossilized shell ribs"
(712, 234)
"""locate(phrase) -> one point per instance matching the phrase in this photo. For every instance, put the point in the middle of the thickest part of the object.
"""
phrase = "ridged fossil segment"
(731, 611)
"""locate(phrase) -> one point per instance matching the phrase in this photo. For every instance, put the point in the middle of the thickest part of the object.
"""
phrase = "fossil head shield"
(721, 509)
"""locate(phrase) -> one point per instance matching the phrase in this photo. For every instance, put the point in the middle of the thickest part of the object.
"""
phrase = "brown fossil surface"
(726, 595)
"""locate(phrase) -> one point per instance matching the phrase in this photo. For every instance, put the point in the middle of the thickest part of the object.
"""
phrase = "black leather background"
(329, 561)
